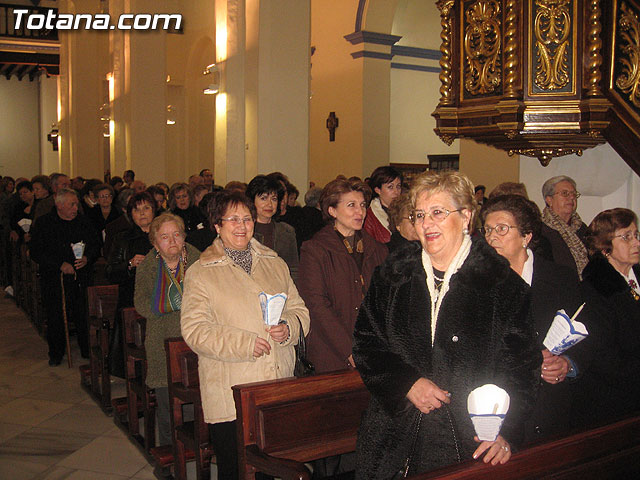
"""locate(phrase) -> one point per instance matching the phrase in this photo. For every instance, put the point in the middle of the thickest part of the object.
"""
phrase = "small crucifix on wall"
(332, 124)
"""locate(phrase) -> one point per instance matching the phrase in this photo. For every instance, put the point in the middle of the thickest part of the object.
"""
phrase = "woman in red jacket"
(386, 184)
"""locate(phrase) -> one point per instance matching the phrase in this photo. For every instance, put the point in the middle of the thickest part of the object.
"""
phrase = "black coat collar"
(482, 269)
(604, 278)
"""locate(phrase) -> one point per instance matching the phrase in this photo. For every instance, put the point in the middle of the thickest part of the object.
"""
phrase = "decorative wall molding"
(364, 36)
(415, 52)
(418, 68)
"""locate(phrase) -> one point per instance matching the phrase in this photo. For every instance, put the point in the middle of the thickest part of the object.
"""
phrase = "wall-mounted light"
(52, 136)
(171, 115)
(214, 86)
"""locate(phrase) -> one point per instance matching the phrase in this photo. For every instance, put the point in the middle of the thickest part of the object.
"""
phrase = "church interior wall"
(19, 128)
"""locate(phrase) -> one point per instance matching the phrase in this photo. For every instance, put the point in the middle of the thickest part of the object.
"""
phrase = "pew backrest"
(611, 451)
(299, 419)
(103, 301)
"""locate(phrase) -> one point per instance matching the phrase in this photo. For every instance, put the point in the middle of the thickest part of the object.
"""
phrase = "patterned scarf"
(568, 234)
(167, 295)
(242, 258)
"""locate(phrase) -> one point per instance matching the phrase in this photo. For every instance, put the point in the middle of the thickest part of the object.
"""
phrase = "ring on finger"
(505, 448)
(557, 379)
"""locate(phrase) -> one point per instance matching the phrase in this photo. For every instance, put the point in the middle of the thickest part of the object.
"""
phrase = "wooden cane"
(66, 323)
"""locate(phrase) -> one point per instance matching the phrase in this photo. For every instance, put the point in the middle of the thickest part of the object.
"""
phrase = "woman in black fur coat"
(437, 322)
(611, 386)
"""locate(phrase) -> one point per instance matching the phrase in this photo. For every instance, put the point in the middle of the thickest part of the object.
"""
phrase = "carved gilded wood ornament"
(482, 47)
(541, 78)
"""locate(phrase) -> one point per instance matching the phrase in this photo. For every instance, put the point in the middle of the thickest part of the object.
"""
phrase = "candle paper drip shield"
(564, 333)
(488, 405)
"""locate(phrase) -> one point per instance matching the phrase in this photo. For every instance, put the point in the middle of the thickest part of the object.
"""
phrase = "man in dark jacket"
(54, 238)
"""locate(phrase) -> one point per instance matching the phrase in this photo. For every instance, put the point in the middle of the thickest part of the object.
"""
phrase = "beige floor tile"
(80, 418)
(27, 411)
(63, 473)
(18, 385)
(9, 430)
(145, 474)
(17, 470)
(42, 445)
(67, 390)
(107, 455)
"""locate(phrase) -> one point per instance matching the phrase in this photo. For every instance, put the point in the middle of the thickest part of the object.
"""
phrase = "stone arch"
(375, 15)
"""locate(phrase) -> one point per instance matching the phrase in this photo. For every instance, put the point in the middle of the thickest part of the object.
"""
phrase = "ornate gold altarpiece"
(541, 78)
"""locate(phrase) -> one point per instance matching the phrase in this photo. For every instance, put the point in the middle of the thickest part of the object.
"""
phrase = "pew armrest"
(278, 467)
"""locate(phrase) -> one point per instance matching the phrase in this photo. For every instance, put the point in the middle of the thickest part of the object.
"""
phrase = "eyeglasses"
(628, 236)
(501, 229)
(437, 214)
(238, 220)
(567, 193)
(105, 195)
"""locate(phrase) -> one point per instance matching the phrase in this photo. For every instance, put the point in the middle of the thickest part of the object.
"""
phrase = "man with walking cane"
(64, 244)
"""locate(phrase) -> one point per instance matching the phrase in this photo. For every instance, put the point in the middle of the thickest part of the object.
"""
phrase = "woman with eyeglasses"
(103, 212)
(400, 223)
(181, 203)
(222, 319)
(562, 225)
(511, 225)
(335, 269)
(611, 387)
(440, 319)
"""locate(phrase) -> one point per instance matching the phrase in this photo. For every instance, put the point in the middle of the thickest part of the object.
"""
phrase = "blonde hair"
(457, 185)
(160, 220)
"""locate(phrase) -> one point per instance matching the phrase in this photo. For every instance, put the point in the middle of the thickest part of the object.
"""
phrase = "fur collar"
(215, 254)
(604, 278)
(483, 267)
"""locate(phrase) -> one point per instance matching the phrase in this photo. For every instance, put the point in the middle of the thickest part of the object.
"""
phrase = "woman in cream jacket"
(222, 322)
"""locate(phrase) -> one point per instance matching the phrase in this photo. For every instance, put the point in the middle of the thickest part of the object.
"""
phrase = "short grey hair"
(549, 187)
(63, 193)
(312, 197)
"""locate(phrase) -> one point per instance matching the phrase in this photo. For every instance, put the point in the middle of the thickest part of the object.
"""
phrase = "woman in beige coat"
(222, 322)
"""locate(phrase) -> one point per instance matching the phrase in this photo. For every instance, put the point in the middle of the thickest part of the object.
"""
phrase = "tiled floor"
(49, 427)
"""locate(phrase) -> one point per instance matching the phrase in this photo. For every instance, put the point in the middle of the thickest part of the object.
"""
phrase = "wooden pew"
(140, 400)
(284, 423)
(190, 439)
(95, 378)
(608, 452)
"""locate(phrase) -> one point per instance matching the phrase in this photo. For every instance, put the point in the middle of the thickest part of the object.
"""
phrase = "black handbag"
(404, 471)
(303, 367)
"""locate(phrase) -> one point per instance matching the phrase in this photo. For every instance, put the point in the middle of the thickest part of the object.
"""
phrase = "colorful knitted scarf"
(167, 294)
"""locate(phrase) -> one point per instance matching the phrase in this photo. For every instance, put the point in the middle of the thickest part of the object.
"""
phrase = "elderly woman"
(103, 212)
(563, 227)
(611, 387)
(222, 319)
(438, 322)
(511, 225)
(266, 193)
(400, 223)
(181, 203)
(158, 298)
(23, 210)
(335, 269)
(129, 249)
(386, 184)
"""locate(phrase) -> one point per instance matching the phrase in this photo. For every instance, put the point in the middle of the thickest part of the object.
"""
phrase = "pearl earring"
(465, 231)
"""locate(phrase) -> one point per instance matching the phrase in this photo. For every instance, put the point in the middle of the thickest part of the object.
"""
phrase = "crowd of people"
(428, 289)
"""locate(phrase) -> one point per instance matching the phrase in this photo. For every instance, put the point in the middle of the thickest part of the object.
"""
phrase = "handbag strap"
(302, 344)
(407, 462)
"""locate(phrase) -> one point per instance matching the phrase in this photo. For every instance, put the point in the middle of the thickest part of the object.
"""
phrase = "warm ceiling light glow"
(221, 42)
(221, 104)
(112, 87)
